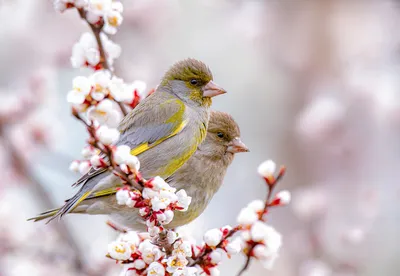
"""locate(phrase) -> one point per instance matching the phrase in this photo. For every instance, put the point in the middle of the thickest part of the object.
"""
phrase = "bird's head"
(223, 138)
(192, 81)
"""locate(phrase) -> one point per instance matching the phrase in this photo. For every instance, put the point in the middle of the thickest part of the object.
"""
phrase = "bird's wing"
(144, 128)
(147, 126)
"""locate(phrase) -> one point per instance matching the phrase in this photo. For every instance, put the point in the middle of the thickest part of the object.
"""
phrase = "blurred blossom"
(321, 118)
(310, 203)
(354, 235)
(315, 268)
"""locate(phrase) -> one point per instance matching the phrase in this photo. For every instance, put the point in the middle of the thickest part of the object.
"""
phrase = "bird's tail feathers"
(45, 215)
(68, 207)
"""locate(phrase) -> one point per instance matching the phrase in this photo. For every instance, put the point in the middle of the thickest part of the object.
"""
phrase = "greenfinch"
(164, 130)
(201, 176)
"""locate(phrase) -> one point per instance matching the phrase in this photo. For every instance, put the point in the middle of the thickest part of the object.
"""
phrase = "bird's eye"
(194, 82)
(220, 135)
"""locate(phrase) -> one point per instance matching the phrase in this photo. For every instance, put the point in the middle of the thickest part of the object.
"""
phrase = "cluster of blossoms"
(156, 202)
(143, 257)
(100, 95)
(86, 52)
(102, 99)
(98, 12)
(184, 257)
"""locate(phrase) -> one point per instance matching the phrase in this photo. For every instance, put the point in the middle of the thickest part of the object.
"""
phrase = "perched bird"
(164, 130)
(201, 176)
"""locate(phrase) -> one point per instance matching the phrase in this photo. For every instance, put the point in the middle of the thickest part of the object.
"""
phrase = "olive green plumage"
(164, 130)
(201, 177)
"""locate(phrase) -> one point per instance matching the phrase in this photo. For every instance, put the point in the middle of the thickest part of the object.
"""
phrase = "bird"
(201, 177)
(163, 131)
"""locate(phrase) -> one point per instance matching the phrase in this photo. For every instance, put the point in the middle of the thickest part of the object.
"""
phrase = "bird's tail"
(68, 207)
(45, 215)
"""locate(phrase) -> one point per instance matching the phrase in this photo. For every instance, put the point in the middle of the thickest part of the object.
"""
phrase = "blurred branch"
(22, 169)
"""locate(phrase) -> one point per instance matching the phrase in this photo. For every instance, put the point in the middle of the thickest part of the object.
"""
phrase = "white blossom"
(112, 50)
(119, 250)
(267, 168)
(256, 205)
(139, 264)
(122, 196)
(216, 256)
(284, 197)
(80, 90)
(150, 252)
(120, 91)
(182, 248)
(159, 203)
(247, 216)
(131, 237)
(214, 271)
(149, 193)
(85, 50)
(95, 161)
(133, 163)
(266, 255)
(272, 241)
(62, 5)
(176, 262)
(187, 271)
(159, 183)
(112, 20)
(101, 81)
(139, 88)
(105, 113)
(172, 236)
(234, 247)
(156, 269)
(153, 230)
(74, 166)
(213, 237)
(84, 167)
(168, 217)
(96, 10)
(121, 154)
(183, 200)
(107, 136)
(88, 152)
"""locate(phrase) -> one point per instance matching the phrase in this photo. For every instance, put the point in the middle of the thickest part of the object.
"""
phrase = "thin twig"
(271, 187)
(97, 29)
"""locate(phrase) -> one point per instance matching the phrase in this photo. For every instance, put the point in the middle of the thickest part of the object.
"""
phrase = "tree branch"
(96, 29)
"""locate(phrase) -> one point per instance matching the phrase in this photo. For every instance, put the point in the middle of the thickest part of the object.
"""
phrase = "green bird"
(201, 177)
(164, 131)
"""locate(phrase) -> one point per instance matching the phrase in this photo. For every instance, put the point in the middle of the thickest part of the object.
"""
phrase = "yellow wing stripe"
(145, 146)
(82, 198)
(105, 192)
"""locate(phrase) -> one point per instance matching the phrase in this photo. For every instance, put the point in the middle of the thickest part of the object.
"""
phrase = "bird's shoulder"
(159, 108)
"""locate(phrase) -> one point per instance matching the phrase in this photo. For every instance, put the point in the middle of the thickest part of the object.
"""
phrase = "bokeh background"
(313, 84)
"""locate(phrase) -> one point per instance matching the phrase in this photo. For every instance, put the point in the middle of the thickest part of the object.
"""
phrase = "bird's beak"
(211, 90)
(236, 145)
